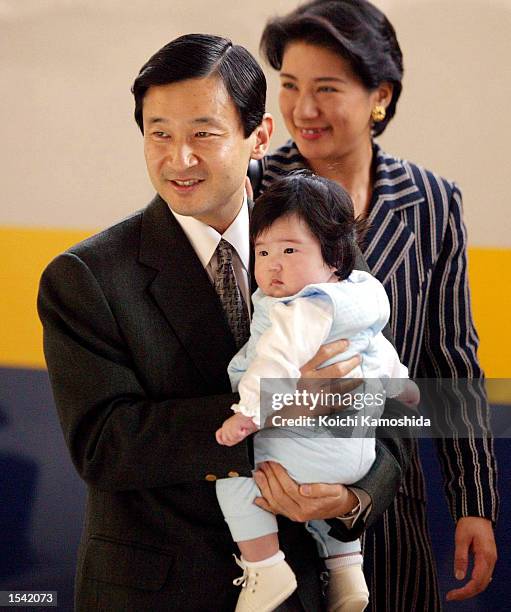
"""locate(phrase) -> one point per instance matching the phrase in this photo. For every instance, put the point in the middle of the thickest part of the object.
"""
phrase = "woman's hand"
(235, 429)
(474, 538)
(282, 495)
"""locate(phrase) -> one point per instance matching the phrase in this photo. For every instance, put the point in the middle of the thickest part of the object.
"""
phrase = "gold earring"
(378, 113)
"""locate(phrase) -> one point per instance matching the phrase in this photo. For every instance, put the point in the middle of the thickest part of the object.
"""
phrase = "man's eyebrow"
(286, 75)
(196, 121)
(206, 121)
(152, 120)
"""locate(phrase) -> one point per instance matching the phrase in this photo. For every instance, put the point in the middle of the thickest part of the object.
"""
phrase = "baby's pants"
(307, 460)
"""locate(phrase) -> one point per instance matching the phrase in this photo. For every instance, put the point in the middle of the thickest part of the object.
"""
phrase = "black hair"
(201, 55)
(323, 205)
(355, 29)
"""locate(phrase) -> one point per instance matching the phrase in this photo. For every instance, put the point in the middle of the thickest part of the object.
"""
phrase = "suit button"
(210, 477)
(233, 474)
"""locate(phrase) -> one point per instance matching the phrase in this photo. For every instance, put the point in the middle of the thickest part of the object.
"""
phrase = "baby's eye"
(262, 253)
(289, 250)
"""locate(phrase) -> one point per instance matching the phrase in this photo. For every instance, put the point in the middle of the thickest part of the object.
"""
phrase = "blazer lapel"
(389, 238)
(183, 291)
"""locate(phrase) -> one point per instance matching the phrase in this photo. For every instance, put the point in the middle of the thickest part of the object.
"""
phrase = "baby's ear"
(335, 275)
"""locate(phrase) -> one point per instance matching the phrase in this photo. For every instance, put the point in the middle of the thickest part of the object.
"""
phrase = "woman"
(341, 68)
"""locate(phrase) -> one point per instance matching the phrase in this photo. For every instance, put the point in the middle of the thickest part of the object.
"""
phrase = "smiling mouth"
(185, 183)
(312, 130)
(184, 186)
(312, 133)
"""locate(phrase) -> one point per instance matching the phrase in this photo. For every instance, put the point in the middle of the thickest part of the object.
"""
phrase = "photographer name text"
(278, 420)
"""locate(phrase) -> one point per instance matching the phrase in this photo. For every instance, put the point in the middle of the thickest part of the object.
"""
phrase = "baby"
(304, 235)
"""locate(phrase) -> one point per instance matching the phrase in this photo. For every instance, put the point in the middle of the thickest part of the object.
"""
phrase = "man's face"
(195, 149)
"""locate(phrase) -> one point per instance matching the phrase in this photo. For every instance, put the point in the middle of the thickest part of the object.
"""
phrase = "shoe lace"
(242, 580)
(247, 579)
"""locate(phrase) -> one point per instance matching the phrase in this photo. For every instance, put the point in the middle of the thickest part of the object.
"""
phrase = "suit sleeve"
(118, 437)
(450, 352)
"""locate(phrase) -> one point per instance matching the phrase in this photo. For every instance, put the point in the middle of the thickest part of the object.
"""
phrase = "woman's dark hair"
(202, 55)
(323, 205)
(355, 29)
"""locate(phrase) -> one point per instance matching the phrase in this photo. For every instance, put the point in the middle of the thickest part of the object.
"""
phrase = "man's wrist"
(355, 502)
(361, 508)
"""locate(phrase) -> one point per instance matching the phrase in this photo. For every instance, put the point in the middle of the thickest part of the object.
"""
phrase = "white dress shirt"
(205, 239)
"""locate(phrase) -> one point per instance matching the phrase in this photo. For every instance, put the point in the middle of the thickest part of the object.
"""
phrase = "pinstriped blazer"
(416, 246)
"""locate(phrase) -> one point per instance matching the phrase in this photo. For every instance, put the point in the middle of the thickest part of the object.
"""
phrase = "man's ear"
(263, 134)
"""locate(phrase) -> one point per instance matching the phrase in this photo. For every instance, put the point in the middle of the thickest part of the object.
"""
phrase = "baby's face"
(288, 257)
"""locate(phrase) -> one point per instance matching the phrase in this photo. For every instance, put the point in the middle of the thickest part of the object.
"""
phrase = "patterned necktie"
(230, 294)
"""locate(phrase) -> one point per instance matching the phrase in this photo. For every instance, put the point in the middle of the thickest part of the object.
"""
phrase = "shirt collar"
(204, 239)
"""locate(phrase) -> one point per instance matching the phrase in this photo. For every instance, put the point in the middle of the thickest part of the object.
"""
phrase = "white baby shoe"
(347, 589)
(264, 588)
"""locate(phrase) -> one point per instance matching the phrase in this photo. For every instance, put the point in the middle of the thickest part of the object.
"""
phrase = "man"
(138, 335)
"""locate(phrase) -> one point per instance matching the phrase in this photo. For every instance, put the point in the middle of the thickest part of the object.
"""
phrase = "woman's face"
(327, 110)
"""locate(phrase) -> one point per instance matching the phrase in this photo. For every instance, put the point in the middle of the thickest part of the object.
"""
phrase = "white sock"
(273, 560)
(345, 561)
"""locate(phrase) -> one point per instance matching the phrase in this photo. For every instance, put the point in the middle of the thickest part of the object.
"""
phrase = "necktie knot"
(223, 253)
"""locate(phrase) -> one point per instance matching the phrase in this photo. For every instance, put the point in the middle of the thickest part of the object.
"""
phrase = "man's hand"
(313, 375)
(473, 534)
(313, 369)
(314, 378)
(282, 495)
(235, 429)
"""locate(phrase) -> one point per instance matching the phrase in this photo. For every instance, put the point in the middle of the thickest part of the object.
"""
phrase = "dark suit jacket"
(137, 349)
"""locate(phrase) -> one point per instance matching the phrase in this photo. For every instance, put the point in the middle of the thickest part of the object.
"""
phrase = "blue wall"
(42, 498)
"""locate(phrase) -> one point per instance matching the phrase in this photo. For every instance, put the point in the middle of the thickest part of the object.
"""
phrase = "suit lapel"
(184, 293)
(389, 237)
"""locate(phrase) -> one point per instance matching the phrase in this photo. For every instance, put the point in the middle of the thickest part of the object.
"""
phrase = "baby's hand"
(235, 429)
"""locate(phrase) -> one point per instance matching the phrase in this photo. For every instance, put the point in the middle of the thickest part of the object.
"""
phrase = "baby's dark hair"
(323, 205)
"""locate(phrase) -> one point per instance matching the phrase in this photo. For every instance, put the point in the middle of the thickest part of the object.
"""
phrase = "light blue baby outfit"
(360, 311)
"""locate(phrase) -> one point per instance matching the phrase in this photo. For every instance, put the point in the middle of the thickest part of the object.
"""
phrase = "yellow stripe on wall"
(25, 252)
(490, 283)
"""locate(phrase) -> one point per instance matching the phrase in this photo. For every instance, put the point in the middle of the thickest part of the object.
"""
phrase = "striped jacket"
(416, 247)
